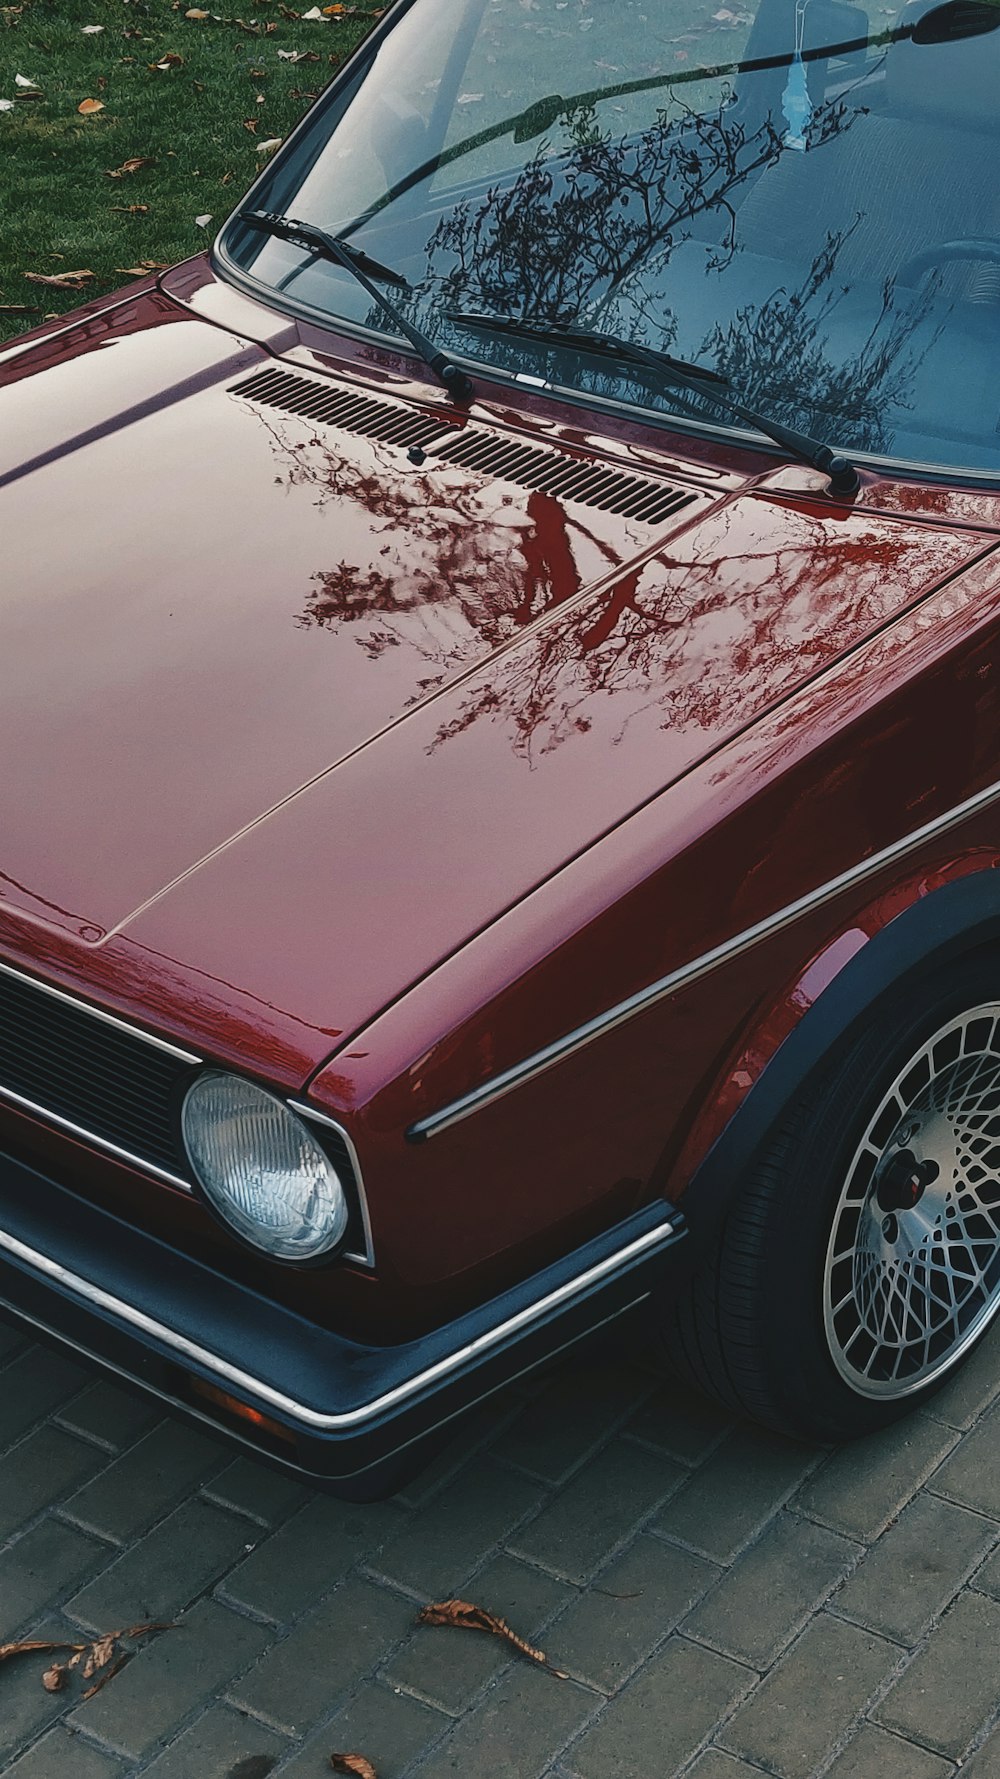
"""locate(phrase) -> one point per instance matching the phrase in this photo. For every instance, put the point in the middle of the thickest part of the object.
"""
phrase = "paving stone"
(735, 1492)
(325, 1656)
(257, 1490)
(448, 1666)
(62, 1755)
(389, 1728)
(44, 1564)
(971, 1475)
(862, 1486)
(627, 1611)
(985, 1763)
(300, 1563)
(713, 1764)
(657, 1722)
(39, 1470)
(221, 1745)
(949, 1691)
(974, 1387)
(595, 1512)
(579, 1410)
(153, 1695)
(516, 1730)
(771, 1589)
(110, 1414)
(681, 1422)
(445, 1539)
(810, 1698)
(34, 1383)
(166, 1569)
(147, 1481)
(873, 1755)
(916, 1567)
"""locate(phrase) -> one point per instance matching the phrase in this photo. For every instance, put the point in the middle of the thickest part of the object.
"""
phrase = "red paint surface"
(325, 744)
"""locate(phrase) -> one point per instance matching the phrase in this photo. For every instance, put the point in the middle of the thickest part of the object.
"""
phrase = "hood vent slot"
(568, 478)
(346, 408)
(489, 454)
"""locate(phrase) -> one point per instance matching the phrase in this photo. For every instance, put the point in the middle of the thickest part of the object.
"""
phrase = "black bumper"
(355, 1418)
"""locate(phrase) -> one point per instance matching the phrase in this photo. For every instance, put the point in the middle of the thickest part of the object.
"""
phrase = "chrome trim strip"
(77, 1130)
(134, 1031)
(276, 1399)
(306, 1111)
(688, 973)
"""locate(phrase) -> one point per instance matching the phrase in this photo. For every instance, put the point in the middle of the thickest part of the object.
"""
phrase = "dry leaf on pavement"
(475, 1618)
(95, 1657)
(353, 1763)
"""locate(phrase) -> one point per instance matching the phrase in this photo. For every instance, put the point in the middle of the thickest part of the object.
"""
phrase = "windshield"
(802, 197)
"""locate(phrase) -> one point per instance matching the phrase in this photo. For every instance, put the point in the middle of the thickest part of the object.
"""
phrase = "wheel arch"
(921, 924)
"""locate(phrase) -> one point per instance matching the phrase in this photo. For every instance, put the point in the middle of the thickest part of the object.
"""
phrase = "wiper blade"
(844, 478)
(364, 268)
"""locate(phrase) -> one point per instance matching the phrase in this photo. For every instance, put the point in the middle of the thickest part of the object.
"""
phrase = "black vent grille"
(76, 1067)
(489, 454)
(346, 408)
(62, 1061)
(570, 478)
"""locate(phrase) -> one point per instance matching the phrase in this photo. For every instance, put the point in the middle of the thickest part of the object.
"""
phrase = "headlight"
(262, 1169)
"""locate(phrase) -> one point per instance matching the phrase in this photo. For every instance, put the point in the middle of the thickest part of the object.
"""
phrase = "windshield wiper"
(364, 268)
(844, 478)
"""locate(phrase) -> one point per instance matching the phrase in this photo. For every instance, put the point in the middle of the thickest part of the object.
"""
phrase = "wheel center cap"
(903, 1181)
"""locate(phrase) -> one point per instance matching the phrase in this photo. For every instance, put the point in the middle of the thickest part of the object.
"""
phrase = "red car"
(501, 807)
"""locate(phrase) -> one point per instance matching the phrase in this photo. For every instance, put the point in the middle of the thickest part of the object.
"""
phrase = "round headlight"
(262, 1169)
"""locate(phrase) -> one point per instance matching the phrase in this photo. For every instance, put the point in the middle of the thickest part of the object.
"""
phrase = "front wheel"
(861, 1262)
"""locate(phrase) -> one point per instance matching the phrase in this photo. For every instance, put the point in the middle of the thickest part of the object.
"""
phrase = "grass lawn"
(228, 87)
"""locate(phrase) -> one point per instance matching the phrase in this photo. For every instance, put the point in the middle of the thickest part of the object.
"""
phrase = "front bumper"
(357, 1418)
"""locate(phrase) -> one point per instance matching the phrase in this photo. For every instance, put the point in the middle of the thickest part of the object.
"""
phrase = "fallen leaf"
(475, 1618)
(333, 12)
(203, 221)
(250, 123)
(87, 107)
(299, 55)
(32, 1647)
(7, 105)
(353, 1763)
(270, 145)
(60, 281)
(167, 62)
(90, 30)
(130, 209)
(17, 309)
(55, 1678)
(144, 267)
(23, 81)
(313, 13)
(196, 12)
(119, 1665)
(130, 166)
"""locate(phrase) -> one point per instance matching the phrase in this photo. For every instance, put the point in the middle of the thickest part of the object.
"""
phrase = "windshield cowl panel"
(799, 195)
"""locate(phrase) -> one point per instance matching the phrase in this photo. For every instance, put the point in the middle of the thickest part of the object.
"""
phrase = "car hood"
(297, 715)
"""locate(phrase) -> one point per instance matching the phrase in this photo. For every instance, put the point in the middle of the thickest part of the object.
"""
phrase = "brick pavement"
(724, 1603)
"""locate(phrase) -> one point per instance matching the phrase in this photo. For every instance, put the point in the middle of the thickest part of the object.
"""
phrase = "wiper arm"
(364, 268)
(844, 478)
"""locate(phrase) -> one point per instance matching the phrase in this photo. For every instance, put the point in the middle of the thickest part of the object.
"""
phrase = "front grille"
(76, 1067)
(65, 1063)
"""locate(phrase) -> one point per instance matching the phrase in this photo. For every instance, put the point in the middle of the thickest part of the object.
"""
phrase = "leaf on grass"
(90, 30)
(87, 107)
(196, 12)
(475, 1618)
(7, 105)
(313, 13)
(23, 81)
(204, 220)
(130, 209)
(270, 145)
(144, 267)
(166, 63)
(17, 309)
(353, 1763)
(60, 281)
(130, 166)
(250, 123)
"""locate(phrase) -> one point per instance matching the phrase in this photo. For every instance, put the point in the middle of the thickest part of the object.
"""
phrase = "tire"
(861, 1261)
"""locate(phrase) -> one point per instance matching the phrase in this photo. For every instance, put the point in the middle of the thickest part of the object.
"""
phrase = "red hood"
(293, 716)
